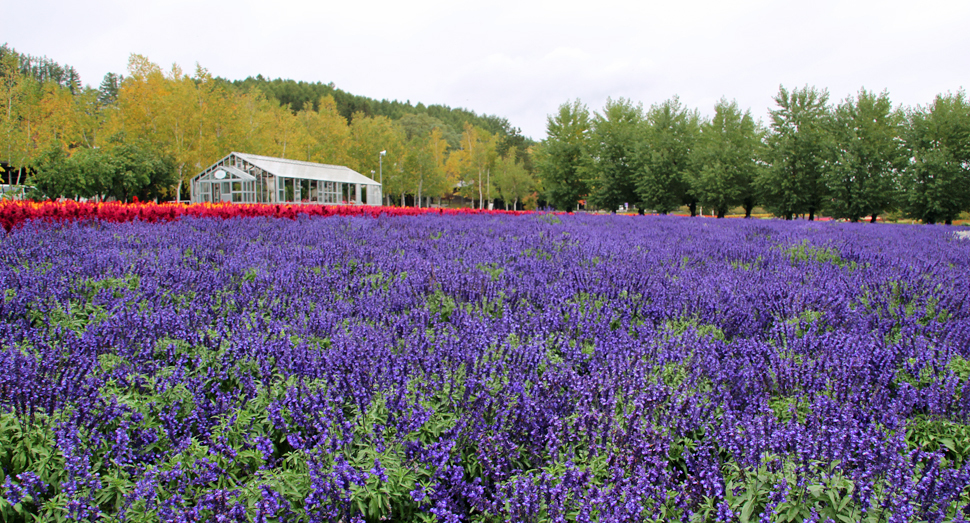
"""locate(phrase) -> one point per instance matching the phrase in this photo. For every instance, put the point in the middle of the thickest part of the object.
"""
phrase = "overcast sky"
(521, 59)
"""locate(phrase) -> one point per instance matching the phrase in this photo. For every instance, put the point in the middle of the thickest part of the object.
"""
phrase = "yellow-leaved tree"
(63, 120)
(424, 164)
(289, 136)
(139, 102)
(329, 132)
(213, 121)
(470, 166)
(369, 135)
(21, 96)
(253, 122)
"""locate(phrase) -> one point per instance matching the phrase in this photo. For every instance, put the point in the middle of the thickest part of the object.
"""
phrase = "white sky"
(521, 59)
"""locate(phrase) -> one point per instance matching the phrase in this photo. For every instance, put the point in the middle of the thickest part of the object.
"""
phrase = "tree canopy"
(189, 120)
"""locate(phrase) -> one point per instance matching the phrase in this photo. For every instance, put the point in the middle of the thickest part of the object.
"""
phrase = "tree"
(862, 180)
(177, 123)
(121, 171)
(56, 176)
(88, 117)
(727, 160)
(368, 137)
(139, 101)
(615, 168)
(58, 124)
(800, 147)
(329, 132)
(470, 165)
(213, 127)
(252, 129)
(109, 88)
(562, 160)
(424, 163)
(18, 121)
(289, 137)
(420, 124)
(937, 178)
(96, 171)
(665, 154)
(512, 180)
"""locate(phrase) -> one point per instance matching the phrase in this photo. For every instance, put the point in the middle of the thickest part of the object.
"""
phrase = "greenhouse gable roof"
(306, 170)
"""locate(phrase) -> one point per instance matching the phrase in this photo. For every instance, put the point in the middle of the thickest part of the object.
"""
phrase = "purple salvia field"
(484, 368)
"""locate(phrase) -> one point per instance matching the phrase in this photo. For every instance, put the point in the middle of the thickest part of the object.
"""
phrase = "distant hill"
(297, 94)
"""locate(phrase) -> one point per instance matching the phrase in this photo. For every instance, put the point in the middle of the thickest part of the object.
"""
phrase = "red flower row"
(14, 213)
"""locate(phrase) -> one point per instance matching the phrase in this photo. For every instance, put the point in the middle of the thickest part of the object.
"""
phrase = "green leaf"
(833, 498)
(844, 503)
(747, 510)
(949, 443)
(375, 507)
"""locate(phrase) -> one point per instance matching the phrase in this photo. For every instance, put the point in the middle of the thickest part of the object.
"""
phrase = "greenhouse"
(248, 178)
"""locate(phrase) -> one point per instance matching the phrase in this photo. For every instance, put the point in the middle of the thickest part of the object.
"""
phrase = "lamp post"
(380, 165)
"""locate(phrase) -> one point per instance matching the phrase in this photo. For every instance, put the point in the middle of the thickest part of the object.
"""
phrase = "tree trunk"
(948, 221)
(811, 214)
(873, 219)
(720, 212)
(417, 201)
(488, 186)
(178, 188)
(693, 209)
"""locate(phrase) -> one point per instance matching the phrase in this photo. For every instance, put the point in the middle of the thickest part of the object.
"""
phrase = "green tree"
(512, 179)
(562, 160)
(122, 171)
(424, 163)
(109, 88)
(800, 147)
(727, 160)
(665, 154)
(937, 178)
(56, 176)
(614, 168)
(420, 124)
(140, 171)
(862, 180)
(96, 169)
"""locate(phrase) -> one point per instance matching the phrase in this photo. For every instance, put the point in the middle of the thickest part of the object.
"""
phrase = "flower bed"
(15, 212)
(483, 368)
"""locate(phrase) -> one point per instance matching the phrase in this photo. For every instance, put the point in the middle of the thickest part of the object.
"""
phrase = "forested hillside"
(139, 134)
(297, 94)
